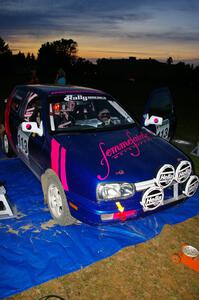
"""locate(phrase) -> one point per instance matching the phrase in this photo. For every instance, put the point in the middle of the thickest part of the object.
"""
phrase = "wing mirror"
(153, 120)
(33, 127)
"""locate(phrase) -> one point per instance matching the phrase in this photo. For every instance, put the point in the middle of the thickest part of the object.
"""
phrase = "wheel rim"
(55, 200)
(5, 144)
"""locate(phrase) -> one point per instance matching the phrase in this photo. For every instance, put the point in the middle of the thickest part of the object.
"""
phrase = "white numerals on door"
(163, 130)
(22, 142)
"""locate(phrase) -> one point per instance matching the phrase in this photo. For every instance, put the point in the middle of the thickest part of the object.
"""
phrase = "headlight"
(113, 191)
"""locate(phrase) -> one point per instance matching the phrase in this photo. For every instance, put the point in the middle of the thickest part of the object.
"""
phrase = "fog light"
(183, 171)
(165, 176)
(152, 198)
(191, 186)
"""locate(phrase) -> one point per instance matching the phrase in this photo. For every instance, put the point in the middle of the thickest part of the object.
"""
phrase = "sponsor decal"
(22, 141)
(191, 186)
(152, 198)
(183, 171)
(165, 175)
(82, 97)
(129, 145)
(119, 206)
(183, 174)
(163, 130)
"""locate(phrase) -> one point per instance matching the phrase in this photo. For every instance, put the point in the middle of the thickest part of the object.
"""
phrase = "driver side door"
(30, 144)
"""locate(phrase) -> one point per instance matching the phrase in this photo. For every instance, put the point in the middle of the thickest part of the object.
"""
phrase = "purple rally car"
(95, 163)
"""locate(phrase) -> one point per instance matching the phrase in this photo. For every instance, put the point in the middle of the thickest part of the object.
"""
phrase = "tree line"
(17, 68)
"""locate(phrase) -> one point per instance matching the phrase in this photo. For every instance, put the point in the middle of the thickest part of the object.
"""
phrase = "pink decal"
(55, 156)
(124, 215)
(155, 120)
(28, 126)
(104, 160)
(63, 169)
(56, 165)
(131, 144)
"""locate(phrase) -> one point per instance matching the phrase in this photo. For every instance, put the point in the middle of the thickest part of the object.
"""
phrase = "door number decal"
(163, 130)
(22, 141)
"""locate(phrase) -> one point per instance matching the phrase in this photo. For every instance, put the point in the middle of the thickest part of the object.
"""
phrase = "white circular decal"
(152, 198)
(191, 186)
(183, 171)
(165, 176)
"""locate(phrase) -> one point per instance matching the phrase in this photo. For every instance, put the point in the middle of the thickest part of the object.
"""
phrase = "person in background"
(61, 77)
(34, 79)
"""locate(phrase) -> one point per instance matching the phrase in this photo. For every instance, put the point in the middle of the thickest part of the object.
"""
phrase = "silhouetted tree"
(56, 54)
(83, 70)
(4, 48)
(5, 58)
(20, 57)
(30, 61)
(169, 60)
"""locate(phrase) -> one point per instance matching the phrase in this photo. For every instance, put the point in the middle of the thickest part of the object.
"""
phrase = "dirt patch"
(11, 230)
(26, 227)
(48, 224)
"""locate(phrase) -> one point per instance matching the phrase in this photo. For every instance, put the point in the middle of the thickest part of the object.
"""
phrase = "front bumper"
(145, 201)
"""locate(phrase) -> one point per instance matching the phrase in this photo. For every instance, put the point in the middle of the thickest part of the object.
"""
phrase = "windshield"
(81, 112)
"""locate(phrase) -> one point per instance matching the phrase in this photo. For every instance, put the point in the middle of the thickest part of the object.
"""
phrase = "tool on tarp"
(6, 209)
(189, 256)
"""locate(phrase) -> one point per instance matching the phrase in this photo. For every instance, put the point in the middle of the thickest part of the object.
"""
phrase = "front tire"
(56, 200)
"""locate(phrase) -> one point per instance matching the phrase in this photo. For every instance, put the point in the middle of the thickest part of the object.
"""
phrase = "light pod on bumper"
(165, 176)
(191, 186)
(183, 171)
(152, 198)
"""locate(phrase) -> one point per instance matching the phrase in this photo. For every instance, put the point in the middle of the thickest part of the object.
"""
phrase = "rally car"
(95, 163)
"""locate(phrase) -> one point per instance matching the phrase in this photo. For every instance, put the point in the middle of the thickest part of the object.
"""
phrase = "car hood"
(129, 155)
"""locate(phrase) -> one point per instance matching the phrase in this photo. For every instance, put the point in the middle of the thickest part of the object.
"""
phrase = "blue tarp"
(33, 250)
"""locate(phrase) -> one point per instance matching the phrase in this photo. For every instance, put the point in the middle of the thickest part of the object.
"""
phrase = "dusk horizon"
(114, 29)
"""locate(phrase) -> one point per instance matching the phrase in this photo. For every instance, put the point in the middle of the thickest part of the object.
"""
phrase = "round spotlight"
(165, 176)
(191, 186)
(152, 198)
(183, 171)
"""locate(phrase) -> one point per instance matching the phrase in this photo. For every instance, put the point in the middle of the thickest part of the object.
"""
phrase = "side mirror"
(153, 120)
(33, 127)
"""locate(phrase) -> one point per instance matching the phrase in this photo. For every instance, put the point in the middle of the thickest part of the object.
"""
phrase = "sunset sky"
(105, 28)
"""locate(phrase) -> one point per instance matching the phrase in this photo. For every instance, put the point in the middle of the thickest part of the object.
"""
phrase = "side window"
(17, 99)
(160, 104)
(32, 111)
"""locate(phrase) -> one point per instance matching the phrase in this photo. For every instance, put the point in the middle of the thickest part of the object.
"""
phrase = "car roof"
(55, 89)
